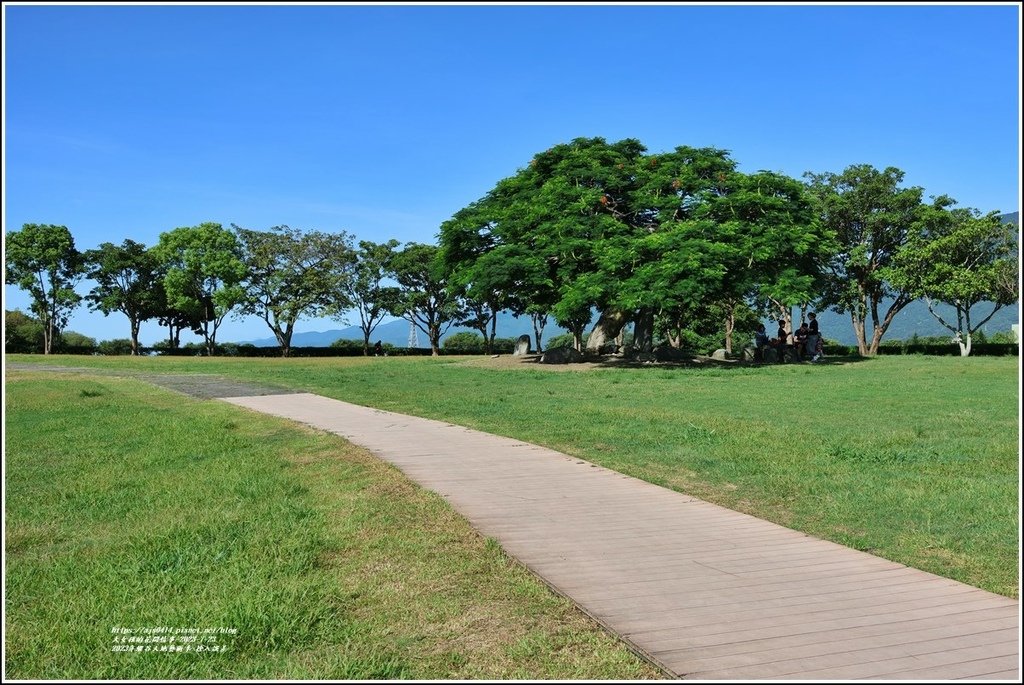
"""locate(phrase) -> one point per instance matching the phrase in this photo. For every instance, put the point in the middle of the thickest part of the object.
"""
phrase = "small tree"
(204, 272)
(872, 219)
(42, 260)
(424, 298)
(366, 291)
(963, 259)
(126, 281)
(291, 274)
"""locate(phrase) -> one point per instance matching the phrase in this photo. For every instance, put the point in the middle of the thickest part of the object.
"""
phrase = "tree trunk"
(876, 339)
(494, 332)
(577, 336)
(965, 347)
(730, 326)
(284, 340)
(135, 336)
(366, 343)
(49, 330)
(895, 308)
(435, 341)
(539, 321)
(858, 331)
(607, 328)
(643, 330)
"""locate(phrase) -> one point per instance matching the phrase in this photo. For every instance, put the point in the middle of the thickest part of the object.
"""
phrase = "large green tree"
(964, 259)
(872, 217)
(590, 226)
(367, 291)
(204, 271)
(424, 298)
(42, 260)
(126, 278)
(290, 273)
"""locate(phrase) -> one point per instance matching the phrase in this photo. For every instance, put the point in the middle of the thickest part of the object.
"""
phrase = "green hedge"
(946, 350)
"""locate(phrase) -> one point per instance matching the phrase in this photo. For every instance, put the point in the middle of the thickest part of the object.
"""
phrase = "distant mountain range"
(915, 318)
(397, 333)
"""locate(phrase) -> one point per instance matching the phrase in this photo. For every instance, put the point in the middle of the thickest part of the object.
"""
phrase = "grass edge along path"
(129, 507)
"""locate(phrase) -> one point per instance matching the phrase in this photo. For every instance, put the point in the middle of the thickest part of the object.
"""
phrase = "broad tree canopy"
(591, 225)
(204, 272)
(961, 258)
(290, 273)
(126, 278)
(872, 218)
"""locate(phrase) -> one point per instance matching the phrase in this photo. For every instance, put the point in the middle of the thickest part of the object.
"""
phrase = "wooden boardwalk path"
(705, 592)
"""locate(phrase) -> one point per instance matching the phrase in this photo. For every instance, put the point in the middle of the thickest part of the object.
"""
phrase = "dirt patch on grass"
(531, 362)
(202, 385)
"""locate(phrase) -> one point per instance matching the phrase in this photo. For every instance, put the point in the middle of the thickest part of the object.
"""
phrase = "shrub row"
(353, 348)
(945, 350)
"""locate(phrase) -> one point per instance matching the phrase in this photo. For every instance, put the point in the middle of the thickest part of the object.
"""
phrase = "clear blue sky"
(383, 121)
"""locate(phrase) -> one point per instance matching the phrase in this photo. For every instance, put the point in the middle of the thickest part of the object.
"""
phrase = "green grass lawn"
(131, 507)
(911, 458)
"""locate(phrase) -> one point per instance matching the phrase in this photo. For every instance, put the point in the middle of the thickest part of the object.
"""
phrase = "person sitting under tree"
(760, 342)
(799, 340)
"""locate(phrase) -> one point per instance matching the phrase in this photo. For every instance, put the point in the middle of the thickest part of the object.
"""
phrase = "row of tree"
(196, 276)
(660, 241)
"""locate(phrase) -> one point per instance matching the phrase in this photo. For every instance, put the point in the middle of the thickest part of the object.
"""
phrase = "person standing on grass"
(782, 341)
(782, 333)
(814, 344)
(378, 349)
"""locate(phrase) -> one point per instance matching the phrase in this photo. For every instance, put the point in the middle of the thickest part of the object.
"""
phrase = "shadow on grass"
(695, 363)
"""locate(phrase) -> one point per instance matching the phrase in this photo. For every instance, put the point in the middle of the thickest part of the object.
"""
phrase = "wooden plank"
(707, 592)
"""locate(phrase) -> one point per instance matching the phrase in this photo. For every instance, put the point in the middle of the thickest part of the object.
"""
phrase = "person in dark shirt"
(800, 340)
(814, 341)
(760, 342)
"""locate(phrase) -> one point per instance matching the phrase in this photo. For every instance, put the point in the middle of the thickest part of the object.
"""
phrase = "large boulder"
(560, 355)
(522, 346)
(719, 355)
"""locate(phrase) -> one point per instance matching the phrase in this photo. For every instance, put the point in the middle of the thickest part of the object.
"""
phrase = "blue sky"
(383, 121)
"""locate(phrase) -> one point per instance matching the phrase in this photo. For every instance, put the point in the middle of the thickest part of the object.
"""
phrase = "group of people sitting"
(805, 342)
